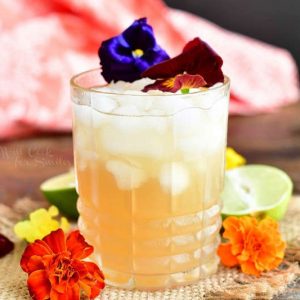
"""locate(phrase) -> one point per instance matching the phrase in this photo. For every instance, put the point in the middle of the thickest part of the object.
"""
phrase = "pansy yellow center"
(137, 53)
(169, 83)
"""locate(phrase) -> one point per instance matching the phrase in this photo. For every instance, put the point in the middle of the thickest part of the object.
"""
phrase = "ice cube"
(98, 119)
(192, 147)
(127, 176)
(188, 122)
(174, 178)
(82, 128)
(135, 144)
(82, 113)
(191, 133)
(169, 105)
(127, 87)
(127, 110)
(135, 136)
(104, 103)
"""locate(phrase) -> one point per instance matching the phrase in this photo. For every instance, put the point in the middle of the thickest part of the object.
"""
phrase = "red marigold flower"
(56, 270)
(255, 246)
(197, 58)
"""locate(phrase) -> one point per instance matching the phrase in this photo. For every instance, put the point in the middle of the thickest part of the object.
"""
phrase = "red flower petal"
(80, 267)
(35, 263)
(54, 295)
(56, 241)
(197, 57)
(181, 81)
(74, 292)
(71, 293)
(38, 248)
(77, 246)
(93, 282)
(165, 85)
(187, 81)
(5, 245)
(39, 285)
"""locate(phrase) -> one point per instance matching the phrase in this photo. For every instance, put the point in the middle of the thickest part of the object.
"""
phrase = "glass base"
(179, 253)
(159, 282)
(156, 282)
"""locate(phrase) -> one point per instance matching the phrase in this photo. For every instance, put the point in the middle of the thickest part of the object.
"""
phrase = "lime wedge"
(60, 191)
(256, 190)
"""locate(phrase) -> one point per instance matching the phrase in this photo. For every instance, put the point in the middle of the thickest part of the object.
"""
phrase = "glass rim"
(75, 85)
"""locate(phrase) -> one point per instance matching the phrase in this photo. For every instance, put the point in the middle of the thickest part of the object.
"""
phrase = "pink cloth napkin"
(44, 43)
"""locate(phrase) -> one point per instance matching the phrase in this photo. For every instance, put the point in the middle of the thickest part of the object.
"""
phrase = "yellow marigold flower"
(233, 159)
(41, 222)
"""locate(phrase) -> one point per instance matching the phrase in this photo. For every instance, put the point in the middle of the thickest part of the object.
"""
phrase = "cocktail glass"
(149, 171)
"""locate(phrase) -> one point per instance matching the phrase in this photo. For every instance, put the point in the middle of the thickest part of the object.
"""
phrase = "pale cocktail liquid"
(149, 174)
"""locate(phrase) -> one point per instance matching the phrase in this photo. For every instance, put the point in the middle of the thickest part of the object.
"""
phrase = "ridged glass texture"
(149, 175)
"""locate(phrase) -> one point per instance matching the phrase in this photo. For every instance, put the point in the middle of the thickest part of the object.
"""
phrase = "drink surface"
(149, 175)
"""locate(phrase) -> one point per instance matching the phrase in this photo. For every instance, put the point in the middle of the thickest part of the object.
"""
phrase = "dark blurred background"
(274, 21)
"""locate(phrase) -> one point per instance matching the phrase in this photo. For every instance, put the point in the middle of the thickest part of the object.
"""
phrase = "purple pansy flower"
(127, 55)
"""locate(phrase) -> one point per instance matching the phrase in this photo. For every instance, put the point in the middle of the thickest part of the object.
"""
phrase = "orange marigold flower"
(255, 246)
(56, 270)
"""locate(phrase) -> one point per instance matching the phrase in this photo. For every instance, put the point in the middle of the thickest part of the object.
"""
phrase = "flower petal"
(56, 241)
(187, 81)
(227, 258)
(35, 263)
(165, 85)
(38, 285)
(197, 57)
(94, 270)
(117, 54)
(74, 292)
(77, 245)
(140, 35)
(233, 159)
(154, 56)
(54, 295)
(166, 69)
(248, 267)
(235, 229)
(173, 84)
(53, 211)
(117, 62)
(6, 245)
(38, 248)
(64, 224)
(257, 245)
(26, 230)
(93, 282)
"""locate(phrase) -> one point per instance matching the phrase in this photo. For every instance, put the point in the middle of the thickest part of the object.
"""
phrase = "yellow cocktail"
(149, 174)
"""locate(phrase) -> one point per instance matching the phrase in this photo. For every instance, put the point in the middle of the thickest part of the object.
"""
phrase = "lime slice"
(60, 191)
(256, 190)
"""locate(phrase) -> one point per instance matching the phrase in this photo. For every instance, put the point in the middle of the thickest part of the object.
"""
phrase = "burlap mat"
(226, 284)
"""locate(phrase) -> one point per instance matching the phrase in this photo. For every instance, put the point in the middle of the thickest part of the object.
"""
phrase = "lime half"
(256, 190)
(60, 191)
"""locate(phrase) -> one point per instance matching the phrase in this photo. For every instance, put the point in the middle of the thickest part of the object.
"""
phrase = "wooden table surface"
(272, 139)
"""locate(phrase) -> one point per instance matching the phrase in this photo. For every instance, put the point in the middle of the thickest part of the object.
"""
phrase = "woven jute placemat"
(225, 284)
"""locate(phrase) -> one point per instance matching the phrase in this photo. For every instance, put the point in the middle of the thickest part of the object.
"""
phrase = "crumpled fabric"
(44, 43)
